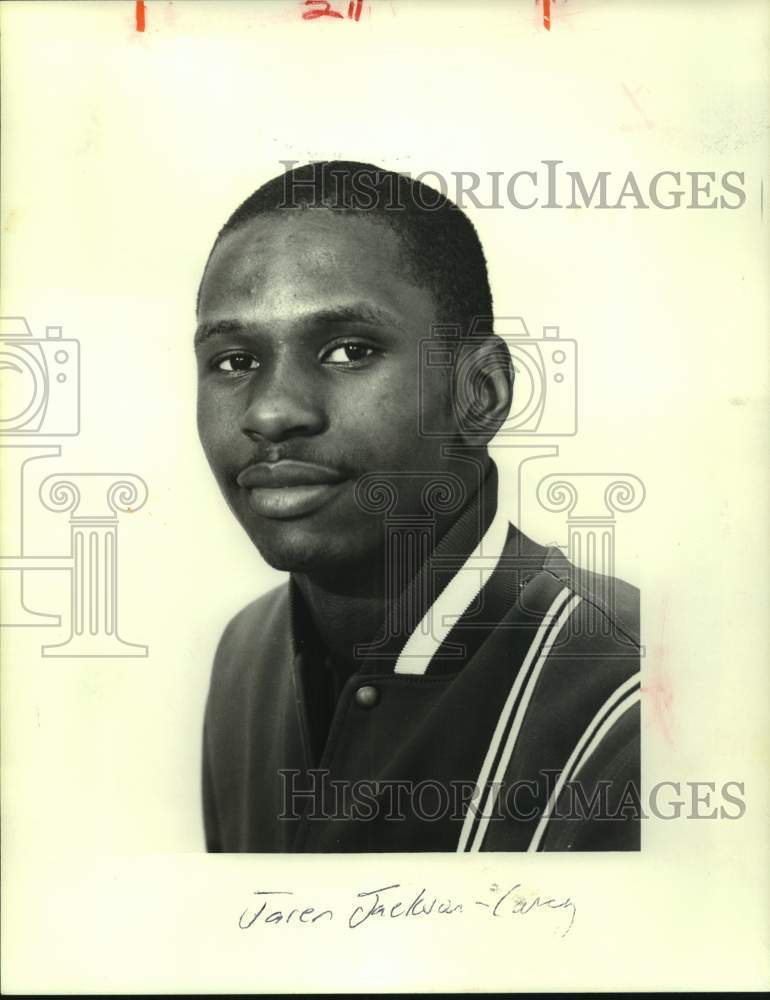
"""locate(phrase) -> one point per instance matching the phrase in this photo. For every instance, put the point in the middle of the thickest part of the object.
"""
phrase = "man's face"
(308, 377)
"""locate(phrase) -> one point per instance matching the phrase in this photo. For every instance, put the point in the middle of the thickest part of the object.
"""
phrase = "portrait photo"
(350, 380)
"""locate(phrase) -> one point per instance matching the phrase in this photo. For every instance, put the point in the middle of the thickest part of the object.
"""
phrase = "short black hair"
(440, 246)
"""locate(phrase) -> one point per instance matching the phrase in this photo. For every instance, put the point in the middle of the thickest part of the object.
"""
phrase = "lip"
(288, 489)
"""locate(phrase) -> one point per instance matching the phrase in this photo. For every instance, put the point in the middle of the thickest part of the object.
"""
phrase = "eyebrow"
(358, 312)
(218, 328)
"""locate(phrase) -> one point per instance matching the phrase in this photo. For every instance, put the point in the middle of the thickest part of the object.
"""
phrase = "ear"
(483, 388)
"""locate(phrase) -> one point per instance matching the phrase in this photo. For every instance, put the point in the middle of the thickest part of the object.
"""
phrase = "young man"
(429, 678)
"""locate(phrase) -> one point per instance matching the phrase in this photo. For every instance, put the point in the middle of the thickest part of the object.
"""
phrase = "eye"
(236, 363)
(349, 353)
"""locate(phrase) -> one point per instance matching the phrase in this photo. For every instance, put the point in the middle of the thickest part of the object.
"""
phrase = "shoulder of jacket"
(254, 624)
(613, 598)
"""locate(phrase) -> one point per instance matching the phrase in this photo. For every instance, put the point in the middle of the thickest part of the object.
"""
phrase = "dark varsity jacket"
(506, 720)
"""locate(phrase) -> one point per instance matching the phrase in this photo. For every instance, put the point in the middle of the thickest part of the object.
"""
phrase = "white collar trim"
(454, 600)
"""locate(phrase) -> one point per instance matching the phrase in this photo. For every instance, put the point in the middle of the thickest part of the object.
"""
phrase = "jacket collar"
(422, 625)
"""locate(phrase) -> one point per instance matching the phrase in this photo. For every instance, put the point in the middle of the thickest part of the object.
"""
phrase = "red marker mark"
(323, 8)
(659, 688)
(547, 14)
(140, 15)
(636, 104)
(311, 15)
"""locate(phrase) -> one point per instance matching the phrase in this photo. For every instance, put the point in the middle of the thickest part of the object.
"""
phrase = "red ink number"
(354, 10)
(311, 15)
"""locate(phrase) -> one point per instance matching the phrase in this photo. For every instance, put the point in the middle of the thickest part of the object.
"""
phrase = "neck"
(350, 609)
(343, 620)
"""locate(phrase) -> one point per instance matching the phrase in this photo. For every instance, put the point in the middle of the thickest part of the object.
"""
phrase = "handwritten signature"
(392, 902)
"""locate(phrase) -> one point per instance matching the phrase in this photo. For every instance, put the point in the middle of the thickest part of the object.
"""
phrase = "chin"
(294, 548)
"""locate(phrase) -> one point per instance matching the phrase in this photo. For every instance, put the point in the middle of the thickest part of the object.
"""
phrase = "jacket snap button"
(367, 696)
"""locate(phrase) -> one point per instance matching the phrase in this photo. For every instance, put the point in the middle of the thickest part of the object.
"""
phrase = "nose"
(282, 406)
